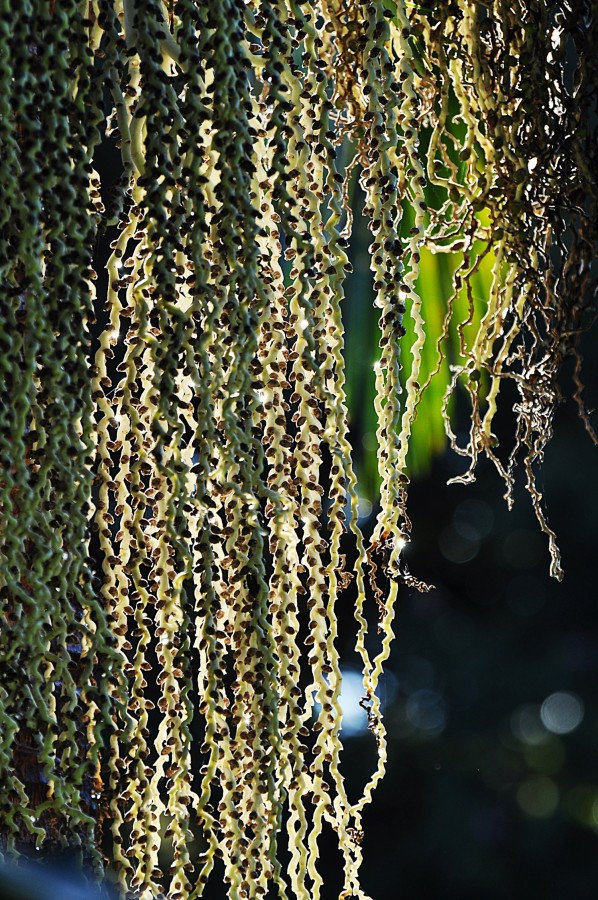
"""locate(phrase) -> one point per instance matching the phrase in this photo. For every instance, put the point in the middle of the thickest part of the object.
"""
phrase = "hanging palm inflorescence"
(173, 505)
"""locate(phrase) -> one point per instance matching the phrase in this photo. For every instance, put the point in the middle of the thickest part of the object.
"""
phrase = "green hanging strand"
(171, 570)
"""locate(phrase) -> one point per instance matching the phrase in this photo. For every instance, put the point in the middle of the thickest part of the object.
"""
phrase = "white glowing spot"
(532, 163)
(562, 712)
(114, 334)
(265, 395)
(303, 324)
(400, 543)
(354, 717)
(364, 507)
(555, 37)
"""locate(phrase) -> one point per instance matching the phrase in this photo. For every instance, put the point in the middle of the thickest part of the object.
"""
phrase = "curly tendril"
(179, 506)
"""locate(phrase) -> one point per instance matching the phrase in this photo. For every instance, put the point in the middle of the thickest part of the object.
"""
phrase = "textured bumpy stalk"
(177, 493)
(59, 668)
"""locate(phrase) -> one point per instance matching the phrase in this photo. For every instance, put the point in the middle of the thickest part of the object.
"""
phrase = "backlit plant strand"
(177, 488)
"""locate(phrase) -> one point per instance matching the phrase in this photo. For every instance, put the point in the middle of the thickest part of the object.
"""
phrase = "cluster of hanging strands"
(196, 443)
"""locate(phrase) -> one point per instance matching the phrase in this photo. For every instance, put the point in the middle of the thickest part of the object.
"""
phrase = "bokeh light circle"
(561, 712)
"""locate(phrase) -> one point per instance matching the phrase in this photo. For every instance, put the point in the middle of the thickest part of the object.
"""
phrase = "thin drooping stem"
(180, 522)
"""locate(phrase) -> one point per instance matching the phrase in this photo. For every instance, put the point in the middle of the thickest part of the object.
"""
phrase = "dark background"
(481, 799)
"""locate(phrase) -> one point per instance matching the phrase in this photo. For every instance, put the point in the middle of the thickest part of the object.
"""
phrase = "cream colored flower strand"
(187, 705)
